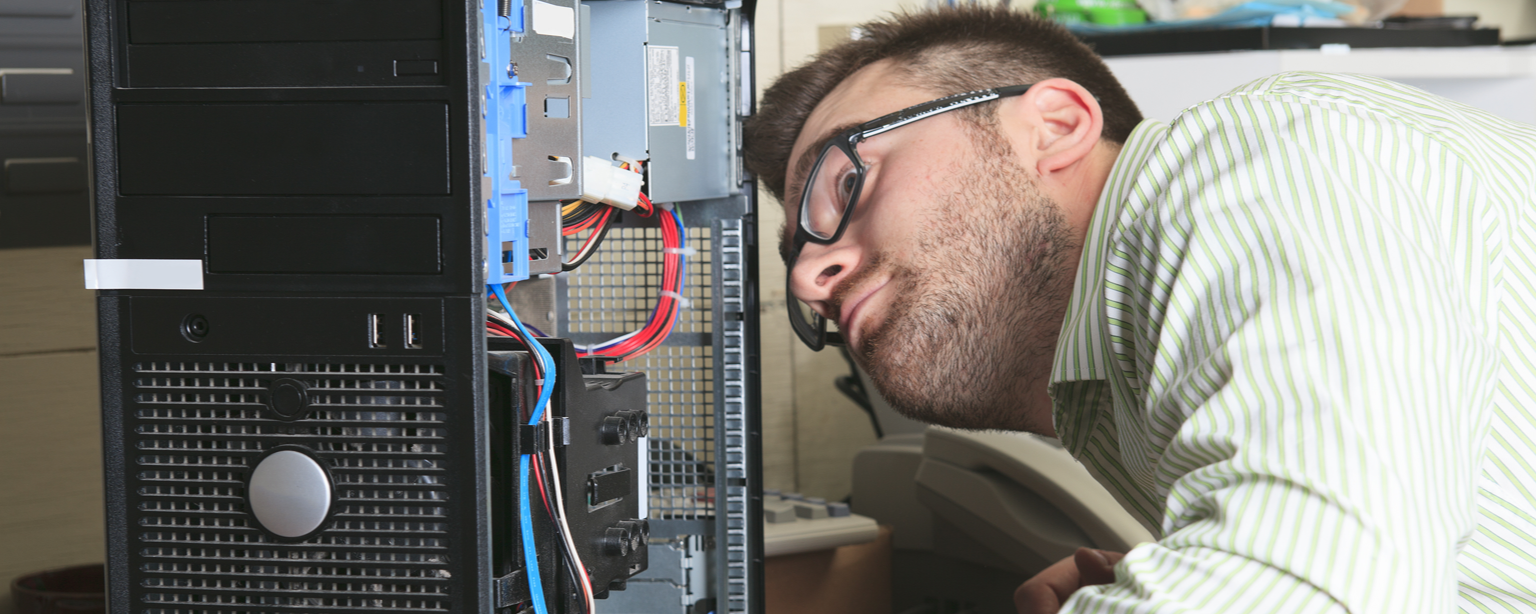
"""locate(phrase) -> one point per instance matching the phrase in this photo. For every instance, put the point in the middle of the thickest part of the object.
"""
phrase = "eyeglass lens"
(828, 191)
(806, 314)
(804, 321)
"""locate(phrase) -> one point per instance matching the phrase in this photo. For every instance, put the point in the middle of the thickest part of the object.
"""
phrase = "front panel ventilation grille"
(199, 428)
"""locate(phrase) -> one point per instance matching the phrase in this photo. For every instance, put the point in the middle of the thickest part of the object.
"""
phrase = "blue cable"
(682, 261)
(539, 353)
(682, 277)
(525, 517)
(530, 556)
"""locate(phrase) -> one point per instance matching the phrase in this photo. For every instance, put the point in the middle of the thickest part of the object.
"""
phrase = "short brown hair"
(946, 50)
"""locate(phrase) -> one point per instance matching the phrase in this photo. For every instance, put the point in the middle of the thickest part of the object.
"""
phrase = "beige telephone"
(1021, 494)
(975, 514)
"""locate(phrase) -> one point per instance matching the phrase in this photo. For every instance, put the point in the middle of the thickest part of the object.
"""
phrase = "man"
(1291, 330)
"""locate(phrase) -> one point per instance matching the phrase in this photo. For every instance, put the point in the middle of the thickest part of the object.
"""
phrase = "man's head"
(952, 279)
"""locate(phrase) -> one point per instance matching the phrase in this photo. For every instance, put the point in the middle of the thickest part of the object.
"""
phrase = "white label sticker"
(129, 274)
(554, 20)
(688, 109)
(662, 84)
(644, 443)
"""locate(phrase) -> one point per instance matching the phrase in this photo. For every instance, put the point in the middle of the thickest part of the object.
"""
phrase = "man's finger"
(1044, 593)
(1096, 566)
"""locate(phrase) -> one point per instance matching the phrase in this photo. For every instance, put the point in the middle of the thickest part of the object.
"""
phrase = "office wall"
(50, 441)
(811, 432)
(1516, 18)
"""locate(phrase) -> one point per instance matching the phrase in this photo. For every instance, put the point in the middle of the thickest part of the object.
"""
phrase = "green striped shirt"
(1302, 351)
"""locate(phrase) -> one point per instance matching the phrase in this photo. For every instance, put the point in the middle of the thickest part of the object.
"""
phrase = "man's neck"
(1077, 190)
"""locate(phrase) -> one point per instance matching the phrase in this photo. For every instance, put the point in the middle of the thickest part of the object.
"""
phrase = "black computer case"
(289, 224)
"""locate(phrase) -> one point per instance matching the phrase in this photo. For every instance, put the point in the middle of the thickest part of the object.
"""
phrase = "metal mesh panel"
(682, 434)
(616, 290)
(613, 294)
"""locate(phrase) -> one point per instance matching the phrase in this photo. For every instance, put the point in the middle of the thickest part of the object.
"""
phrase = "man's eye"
(846, 184)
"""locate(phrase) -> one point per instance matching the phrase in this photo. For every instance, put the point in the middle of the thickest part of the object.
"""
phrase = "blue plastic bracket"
(506, 118)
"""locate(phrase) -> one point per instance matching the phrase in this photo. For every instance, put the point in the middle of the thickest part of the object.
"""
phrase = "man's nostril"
(832, 271)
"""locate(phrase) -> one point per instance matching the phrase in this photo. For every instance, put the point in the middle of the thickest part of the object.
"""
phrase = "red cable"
(655, 331)
(538, 478)
(658, 328)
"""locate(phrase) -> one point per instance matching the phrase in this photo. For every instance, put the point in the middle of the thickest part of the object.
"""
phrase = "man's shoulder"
(1346, 99)
(1325, 86)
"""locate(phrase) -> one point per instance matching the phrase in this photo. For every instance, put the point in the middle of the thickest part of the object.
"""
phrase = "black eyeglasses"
(832, 190)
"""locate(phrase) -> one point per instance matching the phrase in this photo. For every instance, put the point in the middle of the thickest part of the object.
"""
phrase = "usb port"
(376, 330)
(412, 331)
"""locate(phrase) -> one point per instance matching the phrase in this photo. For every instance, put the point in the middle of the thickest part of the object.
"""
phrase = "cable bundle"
(544, 369)
(674, 273)
(498, 324)
(580, 215)
(575, 218)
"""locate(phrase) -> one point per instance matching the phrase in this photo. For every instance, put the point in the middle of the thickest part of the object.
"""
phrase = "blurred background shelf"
(1266, 38)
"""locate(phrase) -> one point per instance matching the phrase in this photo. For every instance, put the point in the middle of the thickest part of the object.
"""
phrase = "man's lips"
(850, 311)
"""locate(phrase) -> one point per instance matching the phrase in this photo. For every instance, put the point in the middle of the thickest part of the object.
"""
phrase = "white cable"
(500, 318)
(565, 526)
(614, 341)
(589, 246)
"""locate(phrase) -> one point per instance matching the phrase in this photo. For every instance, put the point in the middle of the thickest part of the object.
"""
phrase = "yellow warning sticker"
(682, 103)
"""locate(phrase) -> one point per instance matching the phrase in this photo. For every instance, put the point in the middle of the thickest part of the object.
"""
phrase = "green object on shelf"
(1060, 11)
(1116, 17)
(1067, 17)
(1099, 12)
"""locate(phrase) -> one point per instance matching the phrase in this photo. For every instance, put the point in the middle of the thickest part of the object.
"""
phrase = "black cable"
(853, 388)
(570, 564)
(597, 242)
(583, 212)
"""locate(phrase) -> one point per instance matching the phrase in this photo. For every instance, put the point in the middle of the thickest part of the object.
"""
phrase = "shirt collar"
(1081, 351)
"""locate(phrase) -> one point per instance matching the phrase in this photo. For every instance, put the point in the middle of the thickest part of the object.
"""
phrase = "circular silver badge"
(290, 493)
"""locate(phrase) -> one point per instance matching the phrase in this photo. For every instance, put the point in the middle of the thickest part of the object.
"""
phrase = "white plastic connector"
(602, 182)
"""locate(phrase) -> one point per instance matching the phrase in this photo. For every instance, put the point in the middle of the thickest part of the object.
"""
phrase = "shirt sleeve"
(1306, 344)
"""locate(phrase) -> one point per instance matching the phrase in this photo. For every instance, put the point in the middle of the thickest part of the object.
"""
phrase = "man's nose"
(819, 270)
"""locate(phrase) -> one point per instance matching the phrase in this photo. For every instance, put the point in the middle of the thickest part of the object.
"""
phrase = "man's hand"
(1044, 593)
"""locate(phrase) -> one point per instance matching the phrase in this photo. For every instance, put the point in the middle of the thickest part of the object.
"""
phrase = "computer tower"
(298, 207)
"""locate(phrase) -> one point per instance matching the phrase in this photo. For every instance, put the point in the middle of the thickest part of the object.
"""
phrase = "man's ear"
(1054, 125)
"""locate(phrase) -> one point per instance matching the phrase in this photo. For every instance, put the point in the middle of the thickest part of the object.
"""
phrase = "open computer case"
(299, 205)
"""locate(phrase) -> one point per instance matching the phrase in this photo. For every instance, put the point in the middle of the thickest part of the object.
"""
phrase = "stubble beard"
(970, 338)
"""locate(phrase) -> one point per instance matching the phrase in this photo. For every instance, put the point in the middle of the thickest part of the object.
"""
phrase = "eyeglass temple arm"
(908, 115)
